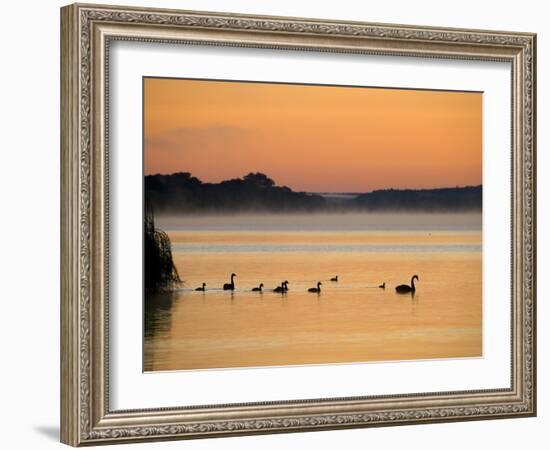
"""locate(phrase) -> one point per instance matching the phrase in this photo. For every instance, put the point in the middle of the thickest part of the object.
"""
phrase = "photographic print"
(295, 224)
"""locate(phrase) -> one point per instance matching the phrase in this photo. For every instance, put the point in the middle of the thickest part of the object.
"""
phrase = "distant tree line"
(443, 199)
(184, 193)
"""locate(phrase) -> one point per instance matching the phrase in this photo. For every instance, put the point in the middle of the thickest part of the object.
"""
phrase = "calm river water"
(351, 320)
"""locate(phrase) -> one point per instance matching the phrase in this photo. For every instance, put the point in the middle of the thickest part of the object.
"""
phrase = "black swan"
(203, 288)
(335, 278)
(259, 288)
(383, 285)
(230, 286)
(280, 288)
(317, 289)
(406, 289)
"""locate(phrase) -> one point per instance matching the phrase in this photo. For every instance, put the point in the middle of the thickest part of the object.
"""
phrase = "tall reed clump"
(160, 272)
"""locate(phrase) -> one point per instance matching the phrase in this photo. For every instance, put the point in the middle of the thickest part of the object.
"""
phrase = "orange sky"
(313, 138)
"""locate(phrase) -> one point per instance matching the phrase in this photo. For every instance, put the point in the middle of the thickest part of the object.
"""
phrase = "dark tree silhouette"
(442, 199)
(182, 193)
(160, 272)
(259, 179)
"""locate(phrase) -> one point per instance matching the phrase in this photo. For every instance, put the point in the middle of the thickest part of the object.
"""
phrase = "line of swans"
(283, 288)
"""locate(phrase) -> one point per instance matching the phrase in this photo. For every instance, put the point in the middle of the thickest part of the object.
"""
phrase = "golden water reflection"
(349, 321)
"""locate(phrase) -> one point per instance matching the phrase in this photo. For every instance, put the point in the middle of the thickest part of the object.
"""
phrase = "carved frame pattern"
(86, 418)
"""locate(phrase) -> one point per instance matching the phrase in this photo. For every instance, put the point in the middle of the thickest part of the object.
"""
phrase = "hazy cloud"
(183, 137)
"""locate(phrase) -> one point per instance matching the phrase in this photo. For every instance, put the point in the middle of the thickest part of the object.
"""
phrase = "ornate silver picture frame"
(87, 32)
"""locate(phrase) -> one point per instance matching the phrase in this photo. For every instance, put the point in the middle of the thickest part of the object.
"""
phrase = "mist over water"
(351, 221)
(351, 320)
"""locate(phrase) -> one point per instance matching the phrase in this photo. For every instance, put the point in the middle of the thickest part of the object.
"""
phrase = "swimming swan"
(317, 289)
(406, 289)
(230, 286)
